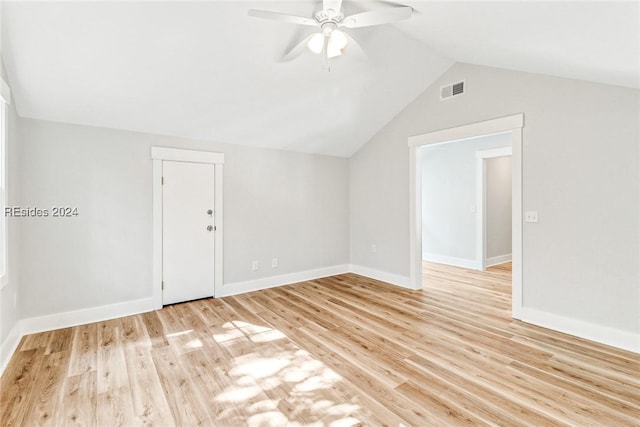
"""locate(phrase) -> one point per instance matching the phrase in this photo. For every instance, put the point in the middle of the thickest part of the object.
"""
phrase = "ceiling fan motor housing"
(323, 16)
(328, 27)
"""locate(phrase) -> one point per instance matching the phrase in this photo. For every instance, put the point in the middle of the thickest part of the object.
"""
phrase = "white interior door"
(187, 231)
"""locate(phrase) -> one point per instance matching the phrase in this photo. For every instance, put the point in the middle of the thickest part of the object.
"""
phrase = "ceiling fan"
(330, 41)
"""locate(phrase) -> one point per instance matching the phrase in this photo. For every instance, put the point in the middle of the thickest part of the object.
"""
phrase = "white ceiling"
(206, 70)
(584, 40)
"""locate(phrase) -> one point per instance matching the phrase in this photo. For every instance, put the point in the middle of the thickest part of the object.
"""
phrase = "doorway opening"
(511, 129)
(466, 202)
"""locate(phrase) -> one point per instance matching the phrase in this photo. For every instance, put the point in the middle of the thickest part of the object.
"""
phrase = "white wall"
(498, 207)
(276, 204)
(580, 166)
(580, 172)
(449, 199)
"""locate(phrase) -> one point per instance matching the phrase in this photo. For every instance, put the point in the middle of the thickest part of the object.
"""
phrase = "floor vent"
(451, 90)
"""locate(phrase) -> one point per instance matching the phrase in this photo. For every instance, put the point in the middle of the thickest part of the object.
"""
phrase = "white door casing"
(211, 161)
(187, 231)
(513, 124)
(481, 200)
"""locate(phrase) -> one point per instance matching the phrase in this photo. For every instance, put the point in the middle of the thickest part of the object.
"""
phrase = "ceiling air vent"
(451, 90)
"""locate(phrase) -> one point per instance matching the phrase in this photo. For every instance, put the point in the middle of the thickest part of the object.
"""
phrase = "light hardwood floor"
(339, 351)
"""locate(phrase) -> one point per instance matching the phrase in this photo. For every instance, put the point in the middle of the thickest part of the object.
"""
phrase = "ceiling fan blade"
(334, 5)
(297, 50)
(377, 17)
(282, 17)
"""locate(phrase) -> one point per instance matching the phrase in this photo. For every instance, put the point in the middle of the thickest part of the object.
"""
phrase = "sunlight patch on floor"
(346, 422)
(267, 336)
(228, 336)
(259, 367)
(238, 394)
(279, 382)
(177, 334)
(271, 418)
(195, 343)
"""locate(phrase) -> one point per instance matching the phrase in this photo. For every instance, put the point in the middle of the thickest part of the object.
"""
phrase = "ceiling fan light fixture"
(337, 41)
(332, 53)
(329, 41)
(315, 43)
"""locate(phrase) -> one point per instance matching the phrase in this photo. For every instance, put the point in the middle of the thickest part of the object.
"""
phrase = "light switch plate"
(531, 216)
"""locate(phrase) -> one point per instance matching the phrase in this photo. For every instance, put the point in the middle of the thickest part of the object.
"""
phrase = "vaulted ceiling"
(206, 70)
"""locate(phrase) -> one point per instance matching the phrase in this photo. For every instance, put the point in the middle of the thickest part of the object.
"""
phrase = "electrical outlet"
(274, 263)
(374, 249)
(255, 266)
(531, 216)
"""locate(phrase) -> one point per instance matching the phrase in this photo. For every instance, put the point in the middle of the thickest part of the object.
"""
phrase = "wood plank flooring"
(339, 351)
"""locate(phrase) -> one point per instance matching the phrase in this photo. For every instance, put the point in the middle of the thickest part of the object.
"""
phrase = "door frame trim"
(513, 124)
(158, 155)
(481, 200)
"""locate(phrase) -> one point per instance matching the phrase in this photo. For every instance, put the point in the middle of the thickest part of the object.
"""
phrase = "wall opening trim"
(513, 124)
(481, 201)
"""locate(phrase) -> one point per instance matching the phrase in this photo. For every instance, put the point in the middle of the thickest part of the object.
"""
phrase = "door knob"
(209, 212)
(209, 227)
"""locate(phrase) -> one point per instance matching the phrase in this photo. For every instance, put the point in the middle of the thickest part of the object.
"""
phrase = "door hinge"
(162, 181)
(163, 285)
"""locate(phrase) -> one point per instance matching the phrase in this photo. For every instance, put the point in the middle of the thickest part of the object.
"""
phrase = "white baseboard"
(602, 334)
(624, 340)
(281, 280)
(471, 264)
(383, 276)
(50, 322)
(9, 346)
(500, 259)
(32, 325)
